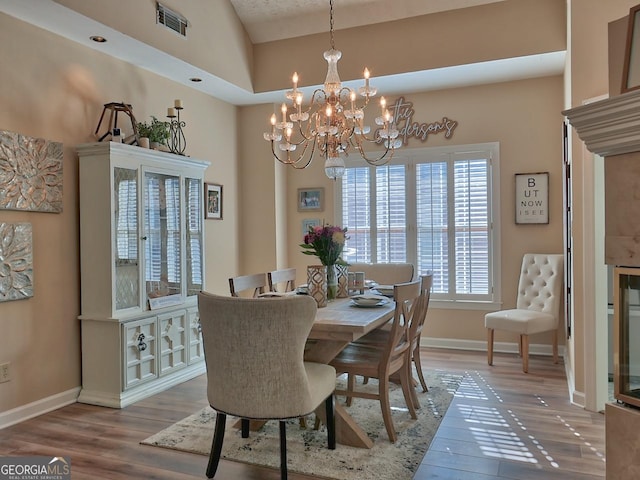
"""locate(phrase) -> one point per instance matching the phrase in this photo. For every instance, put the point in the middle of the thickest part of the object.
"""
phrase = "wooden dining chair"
(417, 325)
(380, 336)
(286, 276)
(382, 363)
(257, 282)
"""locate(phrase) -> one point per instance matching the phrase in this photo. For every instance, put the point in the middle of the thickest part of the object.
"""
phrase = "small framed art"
(532, 197)
(311, 199)
(308, 223)
(213, 201)
(631, 69)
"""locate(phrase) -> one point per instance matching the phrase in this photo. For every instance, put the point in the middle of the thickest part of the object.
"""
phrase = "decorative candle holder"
(177, 141)
(317, 284)
(343, 280)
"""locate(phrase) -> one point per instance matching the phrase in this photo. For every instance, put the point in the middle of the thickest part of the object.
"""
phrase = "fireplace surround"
(611, 128)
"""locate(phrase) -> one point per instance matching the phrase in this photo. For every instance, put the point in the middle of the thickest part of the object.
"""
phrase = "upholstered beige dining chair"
(285, 277)
(385, 273)
(537, 307)
(255, 284)
(382, 363)
(255, 369)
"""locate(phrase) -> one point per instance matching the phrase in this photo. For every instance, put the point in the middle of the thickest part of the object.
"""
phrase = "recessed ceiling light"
(98, 39)
(195, 79)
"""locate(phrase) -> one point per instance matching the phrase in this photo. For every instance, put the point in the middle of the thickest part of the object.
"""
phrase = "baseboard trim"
(39, 407)
(123, 399)
(501, 347)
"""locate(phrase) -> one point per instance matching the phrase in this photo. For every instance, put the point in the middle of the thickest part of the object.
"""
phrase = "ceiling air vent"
(171, 19)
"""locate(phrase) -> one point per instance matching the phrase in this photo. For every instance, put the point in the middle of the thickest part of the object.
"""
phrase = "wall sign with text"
(402, 112)
(532, 197)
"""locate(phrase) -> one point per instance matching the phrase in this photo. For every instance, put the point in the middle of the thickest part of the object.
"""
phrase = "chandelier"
(332, 124)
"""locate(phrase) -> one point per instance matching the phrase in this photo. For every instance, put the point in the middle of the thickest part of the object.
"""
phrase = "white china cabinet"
(142, 265)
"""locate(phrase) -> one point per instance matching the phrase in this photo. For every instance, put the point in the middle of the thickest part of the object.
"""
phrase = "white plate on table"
(369, 300)
(386, 290)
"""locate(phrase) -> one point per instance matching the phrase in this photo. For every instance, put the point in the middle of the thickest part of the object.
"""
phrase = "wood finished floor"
(503, 424)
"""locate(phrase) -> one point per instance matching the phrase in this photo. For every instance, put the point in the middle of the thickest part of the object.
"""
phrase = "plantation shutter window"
(433, 208)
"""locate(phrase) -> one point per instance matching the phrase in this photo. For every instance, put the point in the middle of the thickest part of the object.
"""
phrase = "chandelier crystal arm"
(299, 163)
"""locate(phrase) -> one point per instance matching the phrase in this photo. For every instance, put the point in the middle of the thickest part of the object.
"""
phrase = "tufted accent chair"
(537, 307)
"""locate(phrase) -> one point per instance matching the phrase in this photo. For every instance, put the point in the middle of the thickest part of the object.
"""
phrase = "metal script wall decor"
(30, 173)
(402, 112)
(16, 261)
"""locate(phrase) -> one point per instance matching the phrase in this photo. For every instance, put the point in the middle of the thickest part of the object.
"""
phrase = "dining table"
(335, 326)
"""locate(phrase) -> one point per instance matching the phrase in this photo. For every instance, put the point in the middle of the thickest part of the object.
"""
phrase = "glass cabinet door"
(127, 261)
(162, 236)
(194, 215)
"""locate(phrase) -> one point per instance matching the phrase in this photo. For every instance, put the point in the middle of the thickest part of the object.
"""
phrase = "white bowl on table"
(369, 300)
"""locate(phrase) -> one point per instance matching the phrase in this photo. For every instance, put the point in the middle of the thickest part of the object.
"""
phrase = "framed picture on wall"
(532, 198)
(631, 69)
(308, 223)
(311, 199)
(213, 201)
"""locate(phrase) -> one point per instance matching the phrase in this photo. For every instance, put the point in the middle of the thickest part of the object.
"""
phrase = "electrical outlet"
(4, 373)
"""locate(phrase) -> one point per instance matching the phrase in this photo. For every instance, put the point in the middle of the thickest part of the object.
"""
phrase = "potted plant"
(157, 132)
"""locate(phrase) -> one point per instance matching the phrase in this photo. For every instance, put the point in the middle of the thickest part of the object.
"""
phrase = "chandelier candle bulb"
(295, 80)
(177, 103)
(366, 78)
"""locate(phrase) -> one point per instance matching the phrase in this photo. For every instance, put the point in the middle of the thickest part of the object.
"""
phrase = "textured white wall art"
(30, 173)
(16, 261)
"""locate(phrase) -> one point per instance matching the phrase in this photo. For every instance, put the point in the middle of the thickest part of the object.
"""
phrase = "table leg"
(348, 432)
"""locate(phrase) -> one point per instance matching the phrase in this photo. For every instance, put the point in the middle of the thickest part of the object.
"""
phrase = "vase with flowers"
(326, 242)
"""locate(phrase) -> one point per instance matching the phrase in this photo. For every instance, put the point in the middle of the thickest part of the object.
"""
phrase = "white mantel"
(611, 126)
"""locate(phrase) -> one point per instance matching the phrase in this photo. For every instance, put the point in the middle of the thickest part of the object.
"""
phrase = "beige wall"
(525, 118)
(55, 89)
(487, 32)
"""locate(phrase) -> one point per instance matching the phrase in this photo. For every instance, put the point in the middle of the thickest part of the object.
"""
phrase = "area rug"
(307, 451)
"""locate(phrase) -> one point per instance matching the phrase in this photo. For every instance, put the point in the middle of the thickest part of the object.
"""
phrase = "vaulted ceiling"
(268, 21)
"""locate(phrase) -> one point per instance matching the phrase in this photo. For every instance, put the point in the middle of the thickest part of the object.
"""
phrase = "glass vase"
(332, 283)
(317, 283)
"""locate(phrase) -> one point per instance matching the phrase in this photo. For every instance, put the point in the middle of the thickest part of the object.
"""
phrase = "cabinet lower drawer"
(139, 351)
(196, 350)
(172, 341)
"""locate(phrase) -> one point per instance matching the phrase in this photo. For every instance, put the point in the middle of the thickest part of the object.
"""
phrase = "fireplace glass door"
(627, 335)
